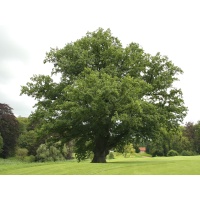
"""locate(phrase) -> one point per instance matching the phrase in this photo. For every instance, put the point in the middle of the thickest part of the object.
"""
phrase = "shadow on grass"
(129, 162)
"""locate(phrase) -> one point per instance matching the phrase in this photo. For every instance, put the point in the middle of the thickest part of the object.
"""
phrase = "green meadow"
(179, 165)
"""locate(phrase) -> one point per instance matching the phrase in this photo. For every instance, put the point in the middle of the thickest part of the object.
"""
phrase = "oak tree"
(107, 96)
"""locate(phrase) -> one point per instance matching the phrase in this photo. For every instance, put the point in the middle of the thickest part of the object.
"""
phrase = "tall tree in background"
(9, 129)
(107, 96)
(1, 143)
(197, 137)
(23, 124)
(192, 132)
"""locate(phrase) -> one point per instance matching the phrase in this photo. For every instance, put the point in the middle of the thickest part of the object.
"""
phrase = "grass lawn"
(179, 165)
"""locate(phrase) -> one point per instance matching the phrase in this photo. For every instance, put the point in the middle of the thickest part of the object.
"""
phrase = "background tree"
(197, 138)
(180, 143)
(28, 138)
(23, 124)
(169, 140)
(1, 144)
(189, 132)
(192, 132)
(157, 146)
(107, 95)
(9, 129)
(29, 141)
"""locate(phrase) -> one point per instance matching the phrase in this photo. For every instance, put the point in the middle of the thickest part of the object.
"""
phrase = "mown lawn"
(180, 165)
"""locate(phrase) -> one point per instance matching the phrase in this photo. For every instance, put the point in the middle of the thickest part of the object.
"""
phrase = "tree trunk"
(99, 157)
(100, 151)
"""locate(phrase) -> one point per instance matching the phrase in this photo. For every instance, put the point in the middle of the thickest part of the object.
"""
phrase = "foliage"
(180, 143)
(107, 95)
(158, 145)
(29, 141)
(187, 153)
(128, 150)
(21, 153)
(111, 155)
(166, 140)
(91, 155)
(172, 153)
(196, 140)
(157, 152)
(192, 132)
(45, 153)
(23, 124)
(68, 150)
(30, 158)
(9, 129)
(1, 143)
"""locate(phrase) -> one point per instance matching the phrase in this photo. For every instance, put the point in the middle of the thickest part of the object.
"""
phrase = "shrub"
(21, 153)
(42, 153)
(91, 155)
(111, 155)
(30, 158)
(187, 153)
(128, 150)
(172, 153)
(118, 153)
(55, 153)
(67, 150)
(45, 153)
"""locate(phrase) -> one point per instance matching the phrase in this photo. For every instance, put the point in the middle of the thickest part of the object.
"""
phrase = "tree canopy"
(107, 96)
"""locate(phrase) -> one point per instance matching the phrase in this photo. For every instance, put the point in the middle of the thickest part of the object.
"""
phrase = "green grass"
(179, 165)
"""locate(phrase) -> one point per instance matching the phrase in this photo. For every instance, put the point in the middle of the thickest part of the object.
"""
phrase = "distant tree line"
(19, 138)
(185, 141)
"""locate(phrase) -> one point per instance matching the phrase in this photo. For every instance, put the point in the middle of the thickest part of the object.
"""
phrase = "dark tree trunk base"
(99, 159)
(100, 156)
(100, 151)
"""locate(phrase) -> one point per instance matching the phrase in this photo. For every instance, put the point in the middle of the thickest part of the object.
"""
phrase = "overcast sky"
(29, 28)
